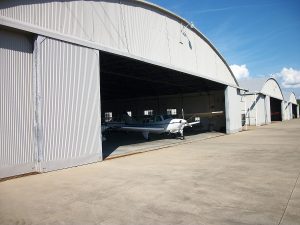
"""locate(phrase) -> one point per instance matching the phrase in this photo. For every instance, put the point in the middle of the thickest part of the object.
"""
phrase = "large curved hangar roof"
(266, 86)
(290, 97)
(136, 29)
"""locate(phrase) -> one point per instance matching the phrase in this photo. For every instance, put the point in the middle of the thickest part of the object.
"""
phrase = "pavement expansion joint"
(287, 204)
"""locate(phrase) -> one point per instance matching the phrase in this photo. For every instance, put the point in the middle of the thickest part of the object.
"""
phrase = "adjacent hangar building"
(65, 63)
(290, 107)
(265, 102)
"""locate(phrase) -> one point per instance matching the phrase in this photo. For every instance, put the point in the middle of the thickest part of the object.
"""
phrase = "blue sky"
(261, 38)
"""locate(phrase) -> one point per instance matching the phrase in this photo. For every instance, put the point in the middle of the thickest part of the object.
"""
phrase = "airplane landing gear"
(181, 134)
(146, 135)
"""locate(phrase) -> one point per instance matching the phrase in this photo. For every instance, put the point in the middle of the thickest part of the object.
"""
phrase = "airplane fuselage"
(156, 124)
(168, 125)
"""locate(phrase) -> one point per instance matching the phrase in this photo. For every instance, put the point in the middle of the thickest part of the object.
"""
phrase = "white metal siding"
(232, 110)
(251, 104)
(132, 28)
(182, 48)
(293, 99)
(291, 111)
(106, 18)
(268, 108)
(146, 33)
(286, 110)
(261, 110)
(258, 109)
(70, 86)
(16, 104)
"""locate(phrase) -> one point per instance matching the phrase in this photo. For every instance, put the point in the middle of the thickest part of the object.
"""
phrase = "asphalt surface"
(247, 178)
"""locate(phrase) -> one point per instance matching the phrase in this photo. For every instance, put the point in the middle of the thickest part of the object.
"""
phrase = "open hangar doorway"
(294, 111)
(142, 90)
(275, 105)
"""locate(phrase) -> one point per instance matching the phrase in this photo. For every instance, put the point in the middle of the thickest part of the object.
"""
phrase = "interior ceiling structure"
(123, 77)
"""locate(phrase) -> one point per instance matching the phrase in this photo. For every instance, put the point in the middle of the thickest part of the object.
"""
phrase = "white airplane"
(157, 124)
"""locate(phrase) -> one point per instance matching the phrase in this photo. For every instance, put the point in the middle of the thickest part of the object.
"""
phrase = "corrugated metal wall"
(268, 109)
(261, 110)
(70, 104)
(291, 111)
(16, 104)
(251, 107)
(129, 27)
(232, 111)
(286, 113)
(258, 109)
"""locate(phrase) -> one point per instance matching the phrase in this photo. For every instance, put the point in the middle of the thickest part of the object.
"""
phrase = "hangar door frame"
(230, 93)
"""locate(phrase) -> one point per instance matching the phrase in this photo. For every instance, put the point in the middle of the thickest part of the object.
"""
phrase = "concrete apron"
(137, 145)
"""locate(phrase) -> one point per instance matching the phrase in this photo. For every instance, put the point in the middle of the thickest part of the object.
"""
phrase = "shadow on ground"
(124, 143)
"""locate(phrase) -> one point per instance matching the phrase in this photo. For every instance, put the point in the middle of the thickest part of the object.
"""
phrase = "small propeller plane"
(156, 124)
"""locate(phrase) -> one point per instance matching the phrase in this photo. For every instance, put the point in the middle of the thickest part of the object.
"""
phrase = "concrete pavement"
(121, 144)
(247, 178)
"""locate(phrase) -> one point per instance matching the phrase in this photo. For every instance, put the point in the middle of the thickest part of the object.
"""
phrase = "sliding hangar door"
(100, 57)
(50, 104)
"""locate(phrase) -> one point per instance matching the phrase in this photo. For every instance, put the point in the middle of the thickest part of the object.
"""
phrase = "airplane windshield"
(167, 117)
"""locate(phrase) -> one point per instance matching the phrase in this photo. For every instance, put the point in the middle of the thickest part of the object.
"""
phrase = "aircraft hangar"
(68, 66)
(290, 106)
(265, 102)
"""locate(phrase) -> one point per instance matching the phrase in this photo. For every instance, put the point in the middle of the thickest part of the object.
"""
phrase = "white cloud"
(240, 71)
(290, 78)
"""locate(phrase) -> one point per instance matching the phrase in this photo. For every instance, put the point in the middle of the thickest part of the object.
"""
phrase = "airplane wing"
(192, 123)
(145, 130)
(142, 129)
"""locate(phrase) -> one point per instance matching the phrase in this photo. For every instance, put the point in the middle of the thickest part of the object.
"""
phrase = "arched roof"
(266, 86)
(290, 97)
(293, 98)
(286, 96)
(136, 29)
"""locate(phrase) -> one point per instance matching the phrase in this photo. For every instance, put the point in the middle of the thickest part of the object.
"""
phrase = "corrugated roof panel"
(131, 28)
(253, 84)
